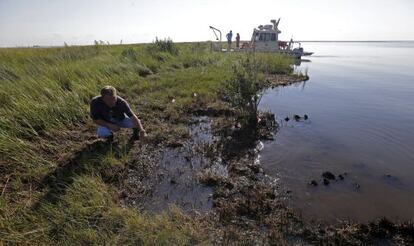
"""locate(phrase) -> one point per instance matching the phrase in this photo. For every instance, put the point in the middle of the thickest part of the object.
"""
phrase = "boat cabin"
(266, 38)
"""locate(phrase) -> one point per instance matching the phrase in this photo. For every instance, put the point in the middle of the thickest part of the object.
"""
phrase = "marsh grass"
(245, 88)
(47, 91)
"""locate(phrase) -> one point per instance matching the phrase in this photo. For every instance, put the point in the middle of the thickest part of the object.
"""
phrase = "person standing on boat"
(237, 40)
(229, 36)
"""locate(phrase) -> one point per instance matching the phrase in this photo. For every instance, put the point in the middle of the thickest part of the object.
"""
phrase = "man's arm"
(137, 123)
(135, 120)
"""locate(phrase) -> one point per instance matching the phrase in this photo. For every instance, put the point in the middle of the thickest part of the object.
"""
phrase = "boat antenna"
(275, 24)
(214, 31)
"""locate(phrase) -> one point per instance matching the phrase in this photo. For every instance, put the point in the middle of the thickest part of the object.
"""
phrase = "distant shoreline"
(296, 41)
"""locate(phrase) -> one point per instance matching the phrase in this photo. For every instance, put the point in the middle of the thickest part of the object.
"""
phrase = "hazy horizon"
(26, 23)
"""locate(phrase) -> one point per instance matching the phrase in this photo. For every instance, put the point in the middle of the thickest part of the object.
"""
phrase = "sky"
(80, 22)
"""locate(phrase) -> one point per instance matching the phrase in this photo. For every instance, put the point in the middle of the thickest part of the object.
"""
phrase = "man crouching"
(111, 112)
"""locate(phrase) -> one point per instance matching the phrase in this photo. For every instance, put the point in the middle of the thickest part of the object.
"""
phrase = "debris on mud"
(328, 175)
(284, 80)
(214, 175)
(393, 181)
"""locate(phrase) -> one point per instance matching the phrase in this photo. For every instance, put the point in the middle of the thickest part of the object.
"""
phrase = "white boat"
(265, 38)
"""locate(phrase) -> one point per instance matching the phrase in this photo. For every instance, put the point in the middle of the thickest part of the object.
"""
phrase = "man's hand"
(143, 133)
(137, 124)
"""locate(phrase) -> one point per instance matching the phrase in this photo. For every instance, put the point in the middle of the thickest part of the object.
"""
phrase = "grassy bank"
(52, 190)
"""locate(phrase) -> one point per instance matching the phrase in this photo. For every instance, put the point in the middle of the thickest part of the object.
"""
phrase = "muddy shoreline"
(215, 175)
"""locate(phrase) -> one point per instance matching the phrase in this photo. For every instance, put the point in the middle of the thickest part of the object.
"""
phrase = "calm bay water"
(360, 103)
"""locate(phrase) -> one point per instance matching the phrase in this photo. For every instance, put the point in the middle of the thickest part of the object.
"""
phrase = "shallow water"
(360, 102)
(160, 176)
(177, 182)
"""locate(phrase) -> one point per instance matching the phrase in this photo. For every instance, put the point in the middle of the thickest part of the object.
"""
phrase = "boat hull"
(295, 54)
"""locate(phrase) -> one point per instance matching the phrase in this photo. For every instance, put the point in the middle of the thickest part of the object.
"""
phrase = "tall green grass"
(87, 214)
(46, 91)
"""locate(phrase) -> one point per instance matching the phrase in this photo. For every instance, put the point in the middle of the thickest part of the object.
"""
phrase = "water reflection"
(360, 106)
(298, 62)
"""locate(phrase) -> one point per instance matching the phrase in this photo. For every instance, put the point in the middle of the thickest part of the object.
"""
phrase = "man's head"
(108, 94)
